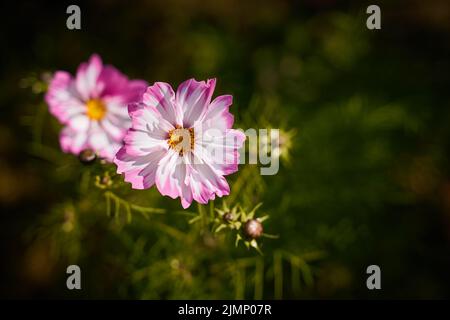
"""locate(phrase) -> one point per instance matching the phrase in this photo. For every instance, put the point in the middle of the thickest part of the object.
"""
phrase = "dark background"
(367, 179)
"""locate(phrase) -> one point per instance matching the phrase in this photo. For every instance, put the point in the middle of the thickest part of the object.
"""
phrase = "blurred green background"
(363, 180)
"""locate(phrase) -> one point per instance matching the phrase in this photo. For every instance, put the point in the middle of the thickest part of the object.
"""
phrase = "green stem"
(203, 216)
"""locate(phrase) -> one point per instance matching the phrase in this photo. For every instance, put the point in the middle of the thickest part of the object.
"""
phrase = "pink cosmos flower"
(93, 107)
(182, 142)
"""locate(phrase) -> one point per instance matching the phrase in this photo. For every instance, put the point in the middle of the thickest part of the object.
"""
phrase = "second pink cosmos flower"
(93, 106)
(181, 142)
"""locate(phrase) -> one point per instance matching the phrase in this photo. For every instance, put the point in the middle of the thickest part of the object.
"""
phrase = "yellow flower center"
(181, 139)
(96, 109)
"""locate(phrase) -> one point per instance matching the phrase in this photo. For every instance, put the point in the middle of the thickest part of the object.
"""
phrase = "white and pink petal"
(193, 97)
(171, 173)
(62, 97)
(162, 97)
(112, 83)
(148, 118)
(142, 142)
(87, 76)
(139, 171)
(217, 114)
(72, 141)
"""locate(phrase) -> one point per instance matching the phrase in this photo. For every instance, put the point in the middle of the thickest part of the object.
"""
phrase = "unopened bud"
(253, 229)
(228, 217)
(87, 156)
